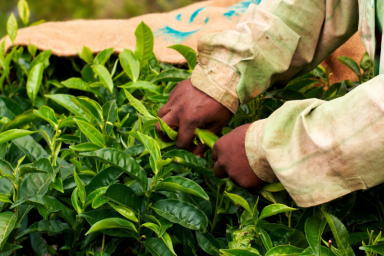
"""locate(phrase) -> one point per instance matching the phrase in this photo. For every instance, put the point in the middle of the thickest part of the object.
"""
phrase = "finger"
(219, 170)
(171, 120)
(185, 136)
(163, 111)
(199, 149)
(214, 153)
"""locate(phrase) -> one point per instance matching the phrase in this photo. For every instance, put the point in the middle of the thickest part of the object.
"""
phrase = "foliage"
(83, 171)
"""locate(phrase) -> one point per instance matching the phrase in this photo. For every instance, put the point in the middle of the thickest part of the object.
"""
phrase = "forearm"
(322, 150)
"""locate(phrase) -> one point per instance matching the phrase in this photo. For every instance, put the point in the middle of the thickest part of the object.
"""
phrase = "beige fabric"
(169, 28)
(322, 150)
(319, 150)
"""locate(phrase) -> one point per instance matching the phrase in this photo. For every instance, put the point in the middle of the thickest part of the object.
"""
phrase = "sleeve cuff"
(218, 80)
(255, 154)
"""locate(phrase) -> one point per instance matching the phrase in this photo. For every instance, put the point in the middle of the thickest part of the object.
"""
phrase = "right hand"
(189, 108)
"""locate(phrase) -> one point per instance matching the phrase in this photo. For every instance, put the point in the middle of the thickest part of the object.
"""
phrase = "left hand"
(231, 160)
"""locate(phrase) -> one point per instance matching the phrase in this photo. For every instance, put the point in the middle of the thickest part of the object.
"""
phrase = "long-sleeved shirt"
(319, 150)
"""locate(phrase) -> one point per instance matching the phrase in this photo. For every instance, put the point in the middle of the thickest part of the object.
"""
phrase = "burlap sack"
(182, 26)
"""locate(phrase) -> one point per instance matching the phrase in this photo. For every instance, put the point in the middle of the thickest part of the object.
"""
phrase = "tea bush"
(83, 171)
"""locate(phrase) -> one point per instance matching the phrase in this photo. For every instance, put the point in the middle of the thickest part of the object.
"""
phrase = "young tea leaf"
(35, 78)
(144, 43)
(111, 223)
(103, 57)
(138, 105)
(92, 133)
(240, 201)
(104, 77)
(80, 187)
(23, 11)
(12, 28)
(188, 53)
(124, 211)
(13, 134)
(48, 115)
(130, 64)
(87, 55)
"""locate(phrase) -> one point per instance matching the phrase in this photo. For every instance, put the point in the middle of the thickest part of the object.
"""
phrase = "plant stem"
(218, 205)
(102, 245)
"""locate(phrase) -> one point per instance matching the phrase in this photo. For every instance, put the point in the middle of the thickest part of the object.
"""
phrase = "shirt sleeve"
(273, 42)
(322, 150)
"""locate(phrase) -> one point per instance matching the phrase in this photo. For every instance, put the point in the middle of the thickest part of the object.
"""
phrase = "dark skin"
(189, 108)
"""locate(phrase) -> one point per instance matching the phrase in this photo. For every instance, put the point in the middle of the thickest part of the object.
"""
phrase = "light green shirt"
(319, 150)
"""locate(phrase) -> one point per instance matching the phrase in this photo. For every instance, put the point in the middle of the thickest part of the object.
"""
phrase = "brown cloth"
(182, 26)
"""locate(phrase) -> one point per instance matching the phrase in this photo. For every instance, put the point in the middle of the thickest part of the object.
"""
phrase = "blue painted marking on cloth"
(173, 35)
(194, 14)
(206, 20)
(178, 17)
(230, 13)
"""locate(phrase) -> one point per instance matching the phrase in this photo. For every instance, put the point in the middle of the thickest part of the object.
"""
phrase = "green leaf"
(208, 243)
(12, 28)
(49, 203)
(110, 115)
(267, 242)
(284, 250)
(5, 198)
(274, 209)
(85, 147)
(7, 223)
(103, 179)
(65, 100)
(13, 134)
(127, 213)
(58, 185)
(240, 252)
(174, 184)
(274, 187)
(79, 84)
(168, 130)
(104, 77)
(236, 199)
(153, 148)
(365, 62)
(99, 201)
(157, 247)
(137, 105)
(30, 147)
(124, 161)
(45, 226)
(130, 64)
(189, 160)
(313, 232)
(143, 85)
(188, 53)
(34, 81)
(87, 55)
(8, 249)
(25, 118)
(152, 226)
(24, 12)
(80, 187)
(340, 234)
(92, 133)
(42, 58)
(378, 248)
(48, 115)
(111, 223)
(181, 213)
(40, 166)
(75, 201)
(286, 94)
(171, 75)
(144, 43)
(103, 57)
(124, 196)
(351, 64)
(90, 107)
(207, 137)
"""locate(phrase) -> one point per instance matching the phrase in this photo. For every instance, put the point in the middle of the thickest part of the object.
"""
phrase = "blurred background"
(54, 10)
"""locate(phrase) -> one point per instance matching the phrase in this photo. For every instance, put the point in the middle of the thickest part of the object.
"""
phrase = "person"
(318, 150)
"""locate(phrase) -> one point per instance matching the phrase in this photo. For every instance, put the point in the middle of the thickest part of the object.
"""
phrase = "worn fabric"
(182, 26)
(319, 150)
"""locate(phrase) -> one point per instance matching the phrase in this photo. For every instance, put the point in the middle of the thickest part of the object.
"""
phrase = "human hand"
(231, 160)
(189, 108)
